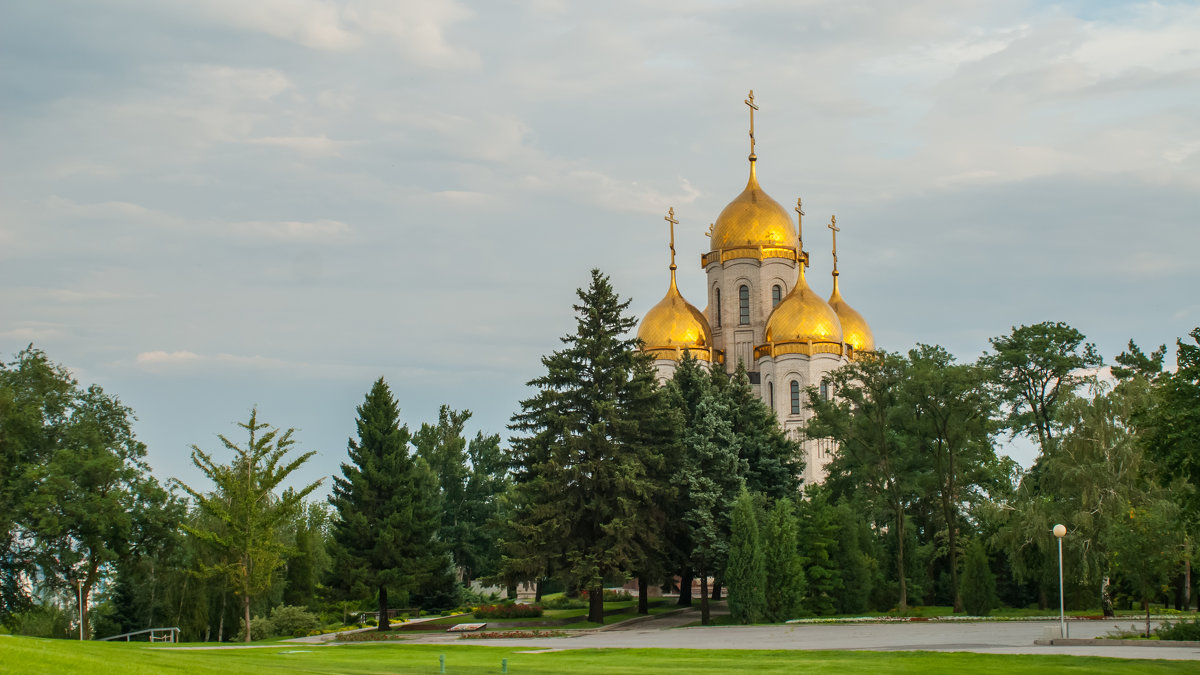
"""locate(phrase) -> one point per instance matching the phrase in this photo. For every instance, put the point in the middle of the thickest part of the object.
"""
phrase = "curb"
(1101, 642)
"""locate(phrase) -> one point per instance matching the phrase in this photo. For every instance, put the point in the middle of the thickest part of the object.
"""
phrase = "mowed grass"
(31, 655)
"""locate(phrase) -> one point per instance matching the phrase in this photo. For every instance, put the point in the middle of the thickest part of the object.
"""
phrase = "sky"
(213, 205)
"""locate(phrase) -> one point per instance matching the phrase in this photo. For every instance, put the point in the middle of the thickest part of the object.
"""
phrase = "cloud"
(308, 145)
(292, 230)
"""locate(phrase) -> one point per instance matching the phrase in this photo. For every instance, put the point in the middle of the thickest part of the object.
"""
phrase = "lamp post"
(79, 585)
(1060, 531)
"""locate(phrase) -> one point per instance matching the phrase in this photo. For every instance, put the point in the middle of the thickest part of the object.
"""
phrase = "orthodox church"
(761, 311)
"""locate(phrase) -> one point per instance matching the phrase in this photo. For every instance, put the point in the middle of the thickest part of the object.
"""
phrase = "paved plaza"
(1014, 637)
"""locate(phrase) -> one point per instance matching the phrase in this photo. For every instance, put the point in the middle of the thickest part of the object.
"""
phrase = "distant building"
(761, 311)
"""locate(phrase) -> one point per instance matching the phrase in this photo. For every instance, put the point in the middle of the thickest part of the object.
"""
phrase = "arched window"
(795, 397)
(825, 391)
(771, 394)
(718, 304)
(776, 295)
(744, 305)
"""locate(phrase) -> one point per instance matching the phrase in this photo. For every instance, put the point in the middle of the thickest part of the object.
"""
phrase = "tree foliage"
(387, 505)
(247, 507)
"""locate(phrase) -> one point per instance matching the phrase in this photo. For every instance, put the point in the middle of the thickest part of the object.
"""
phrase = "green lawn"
(657, 606)
(32, 655)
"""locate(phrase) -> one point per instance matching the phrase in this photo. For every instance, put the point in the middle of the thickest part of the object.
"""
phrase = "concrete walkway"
(983, 637)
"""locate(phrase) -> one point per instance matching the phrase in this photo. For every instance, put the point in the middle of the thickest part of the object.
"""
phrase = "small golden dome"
(855, 330)
(753, 220)
(802, 323)
(674, 326)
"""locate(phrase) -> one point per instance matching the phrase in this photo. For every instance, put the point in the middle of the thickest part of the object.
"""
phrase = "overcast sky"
(210, 205)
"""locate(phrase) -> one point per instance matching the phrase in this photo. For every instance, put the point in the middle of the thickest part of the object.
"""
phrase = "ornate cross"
(800, 220)
(670, 218)
(750, 102)
(833, 226)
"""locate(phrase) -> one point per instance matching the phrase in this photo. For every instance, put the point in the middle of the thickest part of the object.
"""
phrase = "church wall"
(777, 375)
(737, 340)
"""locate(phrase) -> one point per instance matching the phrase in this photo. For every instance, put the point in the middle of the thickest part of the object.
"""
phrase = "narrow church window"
(776, 295)
(825, 391)
(771, 394)
(795, 397)
(744, 305)
(718, 304)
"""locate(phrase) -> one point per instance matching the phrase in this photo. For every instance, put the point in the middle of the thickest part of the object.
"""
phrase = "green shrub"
(978, 583)
(563, 602)
(507, 611)
(292, 620)
(1180, 630)
(261, 628)
(45, 621)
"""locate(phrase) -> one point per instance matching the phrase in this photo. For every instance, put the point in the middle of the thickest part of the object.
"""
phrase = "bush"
(45, 621)
(292, 620)
(610, 595)
(978, 583)
(261, 628)
(563, 602)
(514, 611)
(1180, 630)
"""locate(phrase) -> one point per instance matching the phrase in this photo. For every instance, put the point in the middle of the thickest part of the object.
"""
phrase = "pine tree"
(712, 477)
(387, 507)
(582, 490)
(978, 582)
(774, 462)
(785, 582)
(819, 538)
(746, 573)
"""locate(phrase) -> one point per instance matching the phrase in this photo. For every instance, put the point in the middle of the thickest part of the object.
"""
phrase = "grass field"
(32, 655)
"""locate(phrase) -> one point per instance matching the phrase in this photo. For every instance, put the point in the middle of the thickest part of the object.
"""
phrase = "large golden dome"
(753, 222)
(673, 326)
(855, 330)
(802, 323)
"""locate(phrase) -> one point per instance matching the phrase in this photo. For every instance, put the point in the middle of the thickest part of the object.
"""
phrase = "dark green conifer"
(387, 507)
(784, 566)
(746, 573)
(580, 462)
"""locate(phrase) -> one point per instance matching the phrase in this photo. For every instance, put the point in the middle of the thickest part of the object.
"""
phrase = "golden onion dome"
(753, 221)
(673, 326)
(855, 330)
(802, 323)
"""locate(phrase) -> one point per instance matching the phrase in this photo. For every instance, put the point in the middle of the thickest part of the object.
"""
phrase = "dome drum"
(808, 348)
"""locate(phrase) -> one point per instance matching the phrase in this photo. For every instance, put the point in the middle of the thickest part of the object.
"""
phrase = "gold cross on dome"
(670, 218)
(753, 107)
(833, 227)
(800, 220)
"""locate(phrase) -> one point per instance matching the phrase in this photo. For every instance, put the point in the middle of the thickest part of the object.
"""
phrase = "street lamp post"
(1060, 531)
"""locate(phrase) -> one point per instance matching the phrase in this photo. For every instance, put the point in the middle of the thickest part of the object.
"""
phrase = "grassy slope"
(29, 655)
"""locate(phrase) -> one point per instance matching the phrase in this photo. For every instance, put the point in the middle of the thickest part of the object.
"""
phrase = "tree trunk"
(716, 594)
(1043, 602)
(1187, 582)
(902, 606)
(643, 596)
(1146, 602)
(221, 622)
(383, 609)
(246, 614)
(1106, 603)
(511, 591)
(537, 593)
(703, 598)
(685, 588)
(596, 605)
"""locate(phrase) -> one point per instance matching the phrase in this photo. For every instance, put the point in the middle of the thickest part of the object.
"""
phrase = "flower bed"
(497, 635)
(513, 611)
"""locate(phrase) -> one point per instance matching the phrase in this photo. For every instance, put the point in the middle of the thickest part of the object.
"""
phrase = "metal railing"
(156, 635)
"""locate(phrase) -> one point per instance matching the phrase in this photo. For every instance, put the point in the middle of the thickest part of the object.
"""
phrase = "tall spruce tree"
(746, 572)
(388, 511)
(712, 477)
(784, 567)
(774, 461)
(582, 489)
